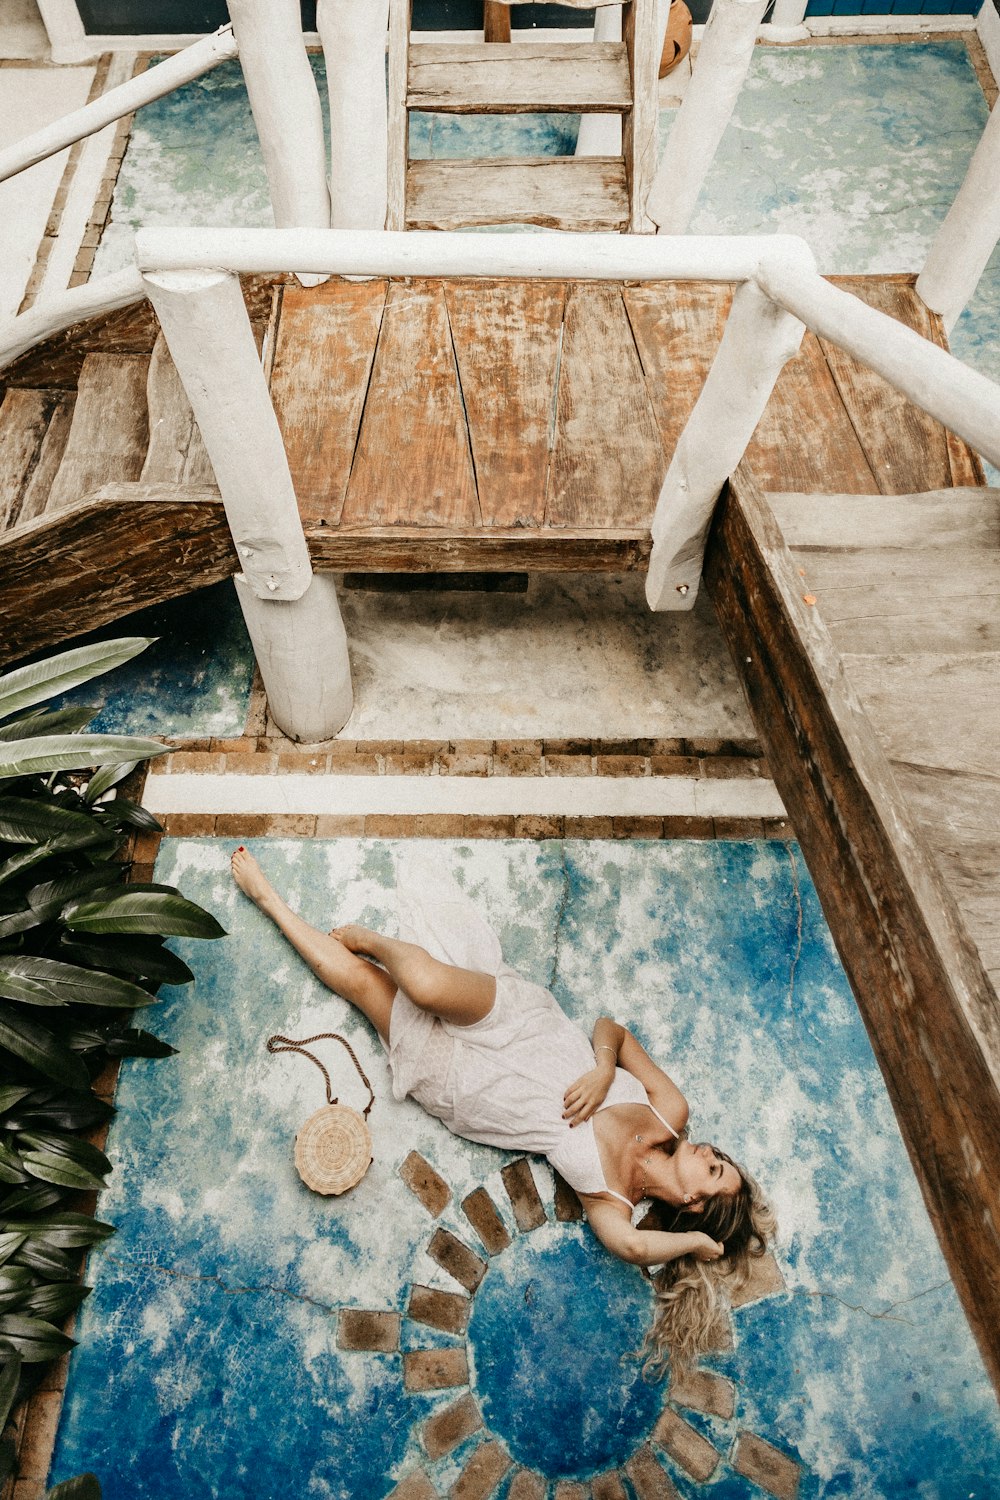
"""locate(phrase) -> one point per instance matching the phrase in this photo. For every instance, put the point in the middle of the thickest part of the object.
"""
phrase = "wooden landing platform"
(867, 639)
(477, 426)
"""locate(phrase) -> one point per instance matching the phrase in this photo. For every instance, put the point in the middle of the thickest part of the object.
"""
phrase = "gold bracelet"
(605, 1048)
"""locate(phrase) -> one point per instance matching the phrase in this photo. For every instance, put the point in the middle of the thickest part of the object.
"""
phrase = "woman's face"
(703, 1174)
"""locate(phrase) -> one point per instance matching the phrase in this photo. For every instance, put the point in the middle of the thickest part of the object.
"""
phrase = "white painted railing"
(18, 335)
(969, 234)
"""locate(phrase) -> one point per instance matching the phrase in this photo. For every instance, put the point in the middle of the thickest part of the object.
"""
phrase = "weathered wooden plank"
(806, 439)
(929, 1007)
(496, 22)
(933, 708)
(905, 448)
(39, 486)
(412, 456)
(120, 549)
(506, 341)
(882, 602)
(398, 130)
(643, 41)
(608, 461)
(419, 549)
(109, 434)
(677, 327)
(967, 519)
(474, 78)
(56, 363)
(322, 364)
(175, 443)
(24, 421)
(557, 192)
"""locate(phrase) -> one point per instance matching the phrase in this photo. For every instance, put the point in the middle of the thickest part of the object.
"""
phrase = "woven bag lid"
(333, 1149)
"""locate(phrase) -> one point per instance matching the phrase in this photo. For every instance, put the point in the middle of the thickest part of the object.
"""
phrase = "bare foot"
(353, 937)
(250, 877)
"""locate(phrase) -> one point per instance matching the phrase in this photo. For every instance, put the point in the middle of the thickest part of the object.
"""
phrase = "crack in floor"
(230, 1291)
(887, 1314)
(798, 934)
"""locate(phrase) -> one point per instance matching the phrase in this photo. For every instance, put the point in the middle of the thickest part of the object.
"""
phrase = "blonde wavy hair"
(693, 1296)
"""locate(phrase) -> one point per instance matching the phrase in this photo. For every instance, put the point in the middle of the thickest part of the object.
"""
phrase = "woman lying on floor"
(495, 1058)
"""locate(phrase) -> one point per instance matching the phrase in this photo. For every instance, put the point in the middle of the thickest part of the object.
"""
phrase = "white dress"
(502, 1080)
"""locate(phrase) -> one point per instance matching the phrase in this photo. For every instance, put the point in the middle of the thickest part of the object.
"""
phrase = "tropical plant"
(80, 951)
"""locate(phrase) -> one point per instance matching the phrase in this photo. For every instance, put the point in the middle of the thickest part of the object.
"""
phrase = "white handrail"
(18, 335)
(153, 84)
(338, 252)
(963, 400)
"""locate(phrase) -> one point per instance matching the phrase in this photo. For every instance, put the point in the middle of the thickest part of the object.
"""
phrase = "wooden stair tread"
(109, 434)
(963, 517)
(24, 421)
(939, 709)
(588, 193)
(176, 453)
(567, 77)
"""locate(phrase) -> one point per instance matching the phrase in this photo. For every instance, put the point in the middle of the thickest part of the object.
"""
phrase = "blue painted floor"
(208, 1364)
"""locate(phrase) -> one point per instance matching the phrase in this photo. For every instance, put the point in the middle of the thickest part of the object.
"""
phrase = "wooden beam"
(422, 549)
(496, 22)
(921, 988)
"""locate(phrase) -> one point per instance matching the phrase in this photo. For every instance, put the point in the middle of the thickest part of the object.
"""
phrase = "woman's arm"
(588, 1093)
(629, 1054)
(644, 1247)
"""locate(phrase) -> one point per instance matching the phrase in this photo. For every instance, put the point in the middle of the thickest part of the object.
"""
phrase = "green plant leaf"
(33, 1198)
(64, 1110)
(124, 814)
(11, 1169)
(135, 1043)
(64, 1145)
(10, 1374)
(56, 1301)
(57, 674)
(27, 820)
(73, 752)
(143, 911)
(15, 1278)
(108, 776)
(44, 981)
(50, 1166)
(11, 1094)
(49, 898)
(46, 1260)
(48, 721)
(83, 1487)
(144, 956)
(35, 1340)
(36, 1045)
(62, 1231)
(10, 1244)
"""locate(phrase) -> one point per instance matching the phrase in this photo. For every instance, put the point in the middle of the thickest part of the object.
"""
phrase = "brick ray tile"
(702, 1390)
(686, 1446)
(529, 1211)
(648, 1477)
(448, 1311)
(482, 1473)
(377, 1331)
(422, 1180)
(767, 1466)
(434, 1369)
(484, 1216)
(457, 1259)
(446, 1429)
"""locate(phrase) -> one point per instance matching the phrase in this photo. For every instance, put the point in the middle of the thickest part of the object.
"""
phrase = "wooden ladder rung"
(554, 77)
(556, 192)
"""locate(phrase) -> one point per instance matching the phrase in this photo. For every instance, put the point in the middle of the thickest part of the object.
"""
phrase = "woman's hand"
(587, 1094)
(703, 1247)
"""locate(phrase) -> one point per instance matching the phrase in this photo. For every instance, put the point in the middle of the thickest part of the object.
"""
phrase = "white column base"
(301, 649)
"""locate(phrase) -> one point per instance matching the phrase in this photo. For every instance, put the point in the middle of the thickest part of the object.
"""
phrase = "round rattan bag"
(333, 1149)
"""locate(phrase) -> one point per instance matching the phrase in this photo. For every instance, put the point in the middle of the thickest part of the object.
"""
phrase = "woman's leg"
(371, 989)
(461, 996)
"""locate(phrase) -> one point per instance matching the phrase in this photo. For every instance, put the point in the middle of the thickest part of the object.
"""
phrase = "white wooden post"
(970, 231)
(295, 626)
(758, 340)
(301, 649)
(67, 38)
(601, 135)
(286, 109)
(353, 33)
(719, 70)
(787, 22)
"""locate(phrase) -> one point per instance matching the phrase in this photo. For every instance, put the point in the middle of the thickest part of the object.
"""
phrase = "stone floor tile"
(527, 1485)
(601, 827)
(566, 747)
(447, 1428)
(464, 765)
(637, 827)
(674, 765)
(377, 1331)
(448, 1311)
(484, 1216)
(482, 1473)
(765, 1280)
(686, 1446)
(738, 828)
(340, 825)
(703, 1390)
(767, 1466)
(488, 826)
(682, 827)
(457, 1259)
(434, 1369)
(567, 1205)
(608, 1486)
(529, 1211)
(648, 1477)
(422, 1180)
(415, 1486)
(517, 763)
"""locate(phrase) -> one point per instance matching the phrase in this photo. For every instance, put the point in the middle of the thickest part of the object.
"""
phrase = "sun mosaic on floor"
(450, 1326)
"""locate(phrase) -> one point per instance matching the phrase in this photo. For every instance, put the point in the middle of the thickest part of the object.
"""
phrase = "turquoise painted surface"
(208, 1364)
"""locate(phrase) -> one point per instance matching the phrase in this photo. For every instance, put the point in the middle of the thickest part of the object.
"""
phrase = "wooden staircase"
(575, 193)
